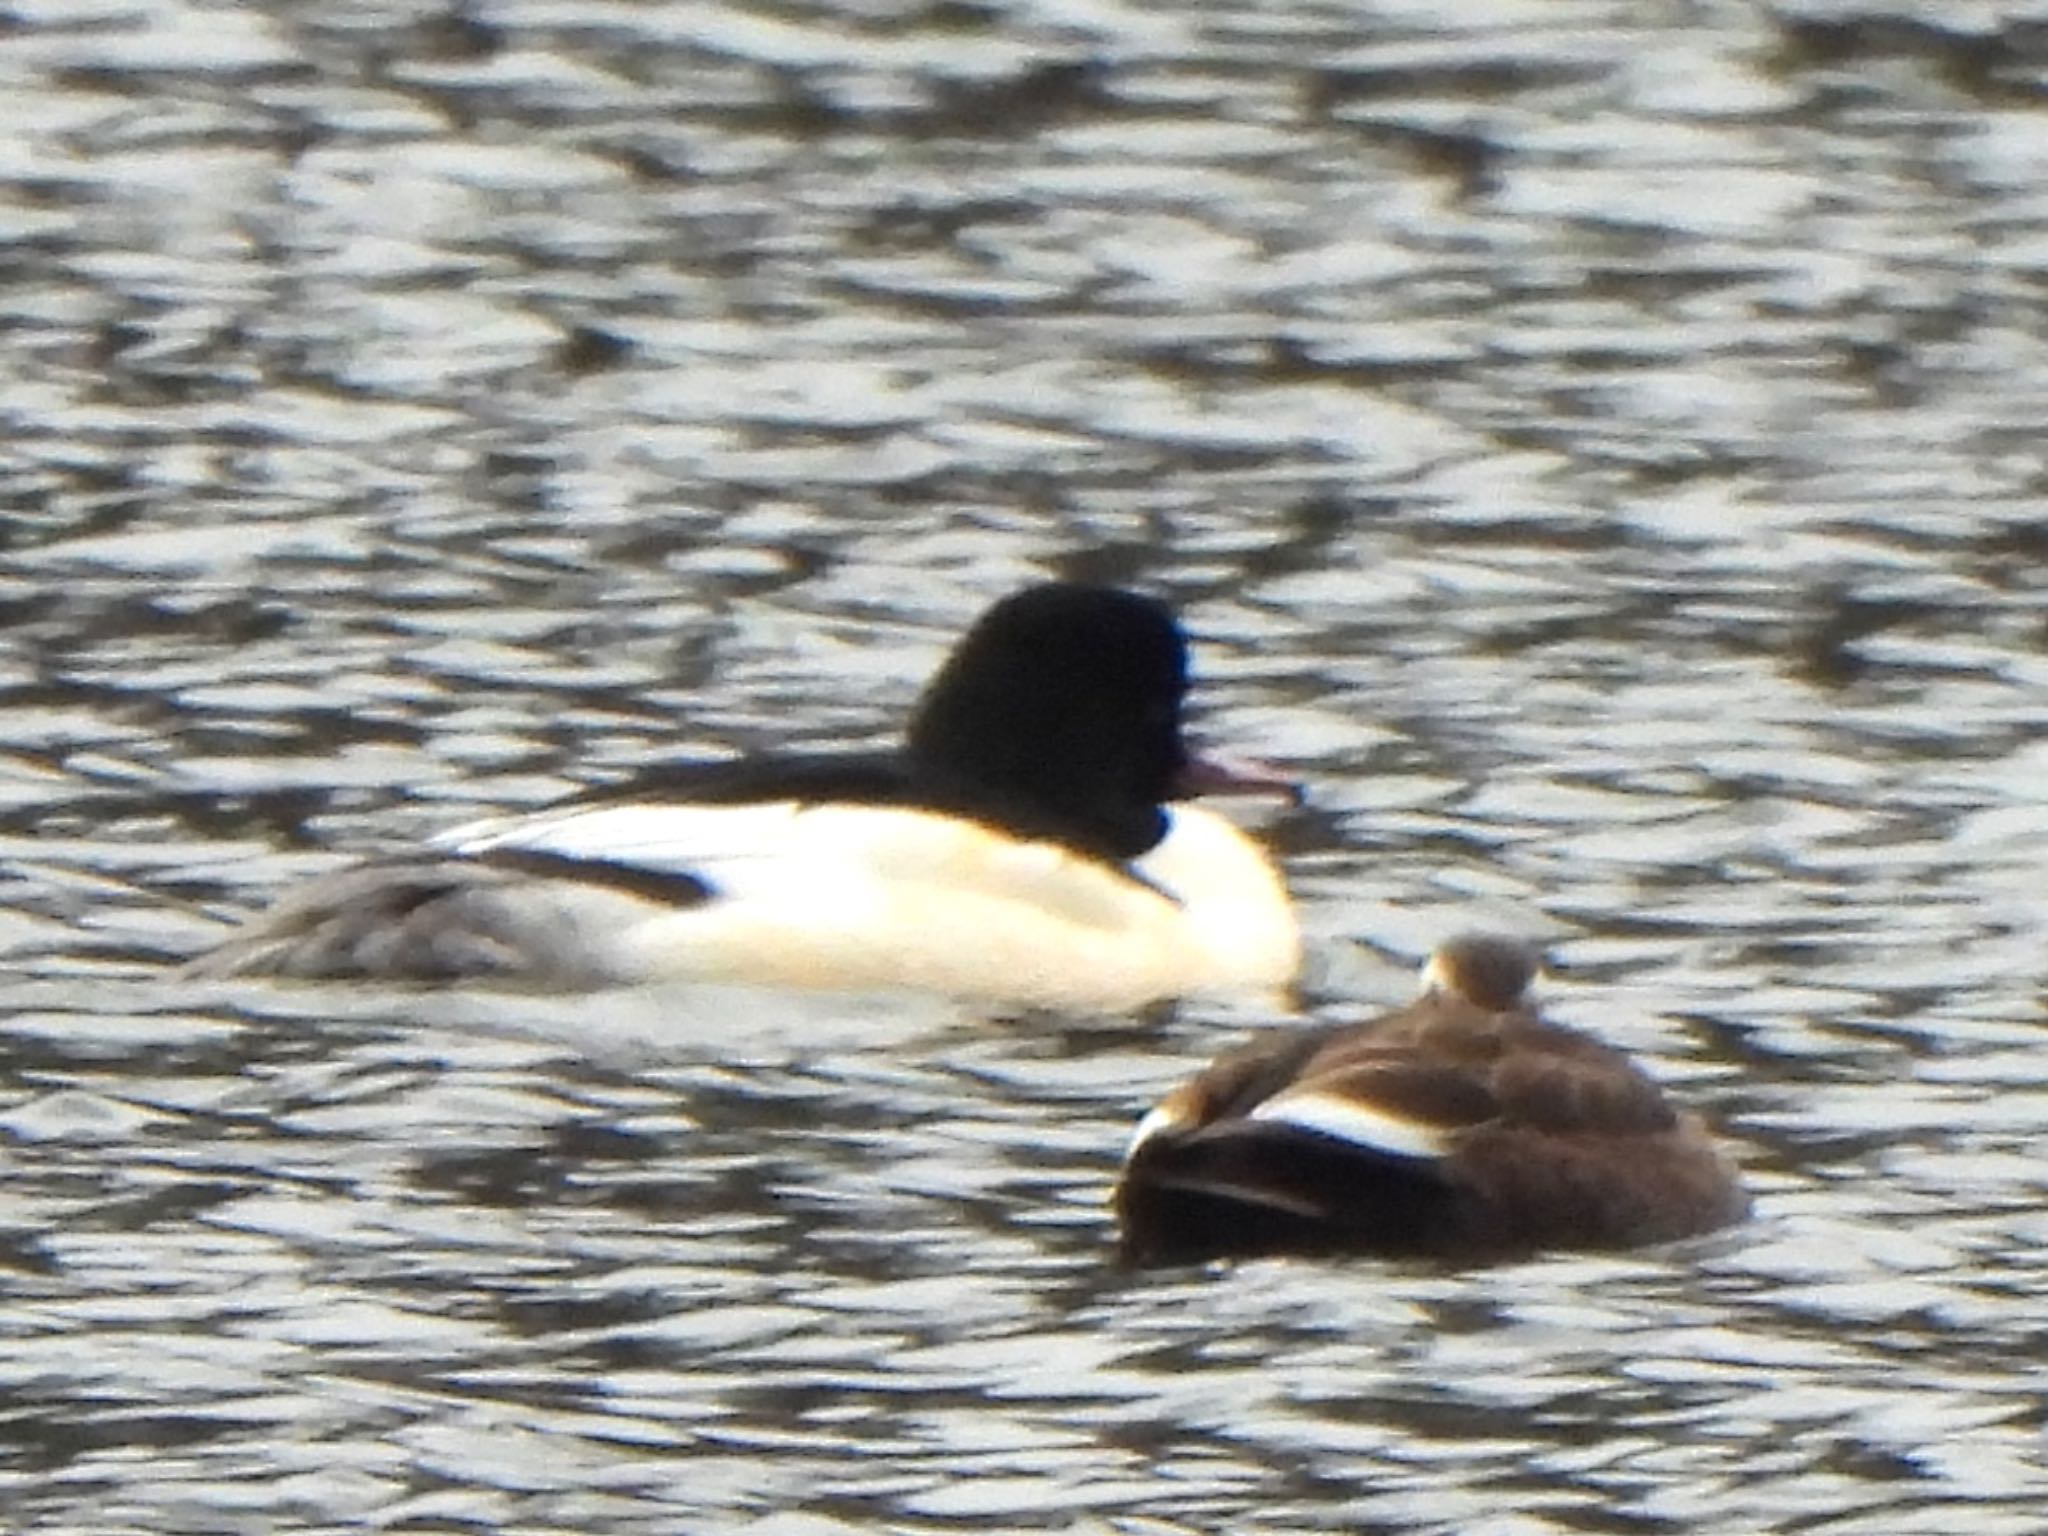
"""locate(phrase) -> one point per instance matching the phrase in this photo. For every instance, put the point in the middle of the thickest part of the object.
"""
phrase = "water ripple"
(1595, 448)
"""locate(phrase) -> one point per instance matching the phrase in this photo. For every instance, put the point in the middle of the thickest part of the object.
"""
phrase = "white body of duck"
(1018, 849)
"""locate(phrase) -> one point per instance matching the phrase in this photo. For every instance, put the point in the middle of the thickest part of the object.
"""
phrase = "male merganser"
(1462, 1126)
(1025, 845)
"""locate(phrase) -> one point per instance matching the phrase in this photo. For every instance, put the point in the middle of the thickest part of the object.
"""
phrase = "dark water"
(1598, 444)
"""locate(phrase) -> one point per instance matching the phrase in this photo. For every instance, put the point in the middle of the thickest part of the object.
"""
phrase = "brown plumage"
(1461, 1126)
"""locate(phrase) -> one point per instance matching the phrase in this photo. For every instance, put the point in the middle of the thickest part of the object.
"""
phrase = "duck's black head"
(1063, 701)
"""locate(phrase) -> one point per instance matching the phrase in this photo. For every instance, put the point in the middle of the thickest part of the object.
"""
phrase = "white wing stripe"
(657, 836)
(1158, 1120)
(1365, 1125)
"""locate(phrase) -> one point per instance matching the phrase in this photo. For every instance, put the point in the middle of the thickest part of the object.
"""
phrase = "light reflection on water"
(1597, 449)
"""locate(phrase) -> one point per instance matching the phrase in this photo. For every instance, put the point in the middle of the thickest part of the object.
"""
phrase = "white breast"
(873, 897)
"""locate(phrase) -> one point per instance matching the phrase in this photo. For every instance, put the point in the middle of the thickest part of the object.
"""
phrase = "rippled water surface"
(1599, 445)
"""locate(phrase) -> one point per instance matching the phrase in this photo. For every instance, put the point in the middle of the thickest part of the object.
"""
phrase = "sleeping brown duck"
(1462, 1126)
